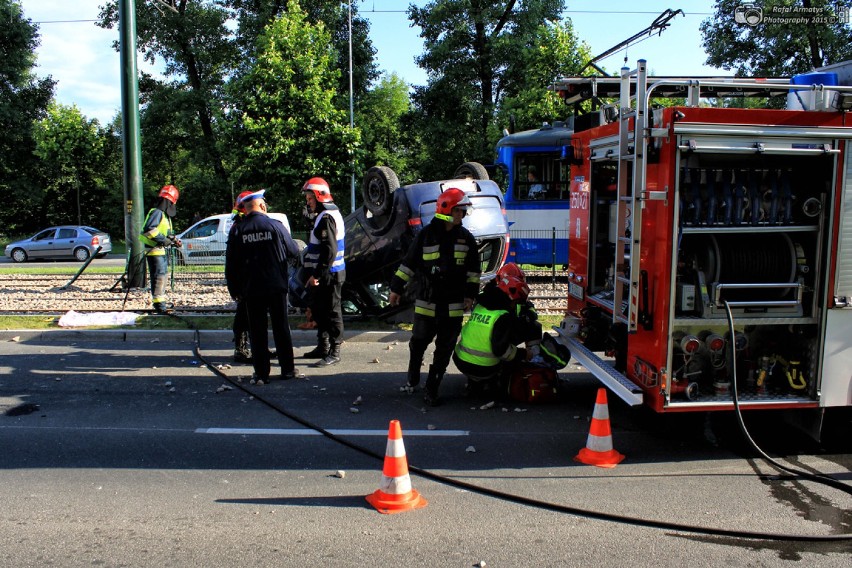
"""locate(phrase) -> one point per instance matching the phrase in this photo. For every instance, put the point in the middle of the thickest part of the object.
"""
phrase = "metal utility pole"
(351, 107)
(131, 145)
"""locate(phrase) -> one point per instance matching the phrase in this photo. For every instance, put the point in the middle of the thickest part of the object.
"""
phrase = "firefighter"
(524, 309)
(486, 352)
(326, 271)
(443, 262)
(157, 235)
(242, 351)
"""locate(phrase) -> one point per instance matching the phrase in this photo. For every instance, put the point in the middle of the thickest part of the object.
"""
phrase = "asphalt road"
(127, 451)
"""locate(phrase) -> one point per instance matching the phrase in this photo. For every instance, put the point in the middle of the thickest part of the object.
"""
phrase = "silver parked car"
(68, 241)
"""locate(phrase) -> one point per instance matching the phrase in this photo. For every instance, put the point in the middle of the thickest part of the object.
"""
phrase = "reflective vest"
(475, 344)
(164, 228)
(313, 252)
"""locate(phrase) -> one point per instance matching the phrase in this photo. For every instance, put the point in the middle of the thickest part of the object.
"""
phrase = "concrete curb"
(183, 336)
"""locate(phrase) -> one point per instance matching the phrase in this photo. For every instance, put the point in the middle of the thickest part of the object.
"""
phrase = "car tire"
(19, 255)
(379, 184)
(82, 254)
(473, 170)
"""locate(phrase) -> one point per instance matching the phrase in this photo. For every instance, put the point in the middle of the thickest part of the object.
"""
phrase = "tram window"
(540, 177)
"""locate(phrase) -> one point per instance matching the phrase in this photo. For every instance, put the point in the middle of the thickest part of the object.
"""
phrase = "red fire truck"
(689, 222)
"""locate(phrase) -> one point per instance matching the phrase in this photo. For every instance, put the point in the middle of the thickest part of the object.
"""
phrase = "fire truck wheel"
(473, 170)
(379, 184)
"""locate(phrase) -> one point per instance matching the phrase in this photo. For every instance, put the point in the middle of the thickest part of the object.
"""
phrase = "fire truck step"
(623, 387)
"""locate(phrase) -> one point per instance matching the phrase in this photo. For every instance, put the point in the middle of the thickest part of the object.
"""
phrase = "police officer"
(158, 234)
(326, 270)
(256, 272)
(242, 351)
(444, 262)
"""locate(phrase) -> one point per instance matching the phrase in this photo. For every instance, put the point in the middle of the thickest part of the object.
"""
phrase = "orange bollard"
(395, 494)
(598, 450)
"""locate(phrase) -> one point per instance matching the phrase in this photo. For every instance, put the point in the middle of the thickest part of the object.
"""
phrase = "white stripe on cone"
(396, 485)
(395, 449)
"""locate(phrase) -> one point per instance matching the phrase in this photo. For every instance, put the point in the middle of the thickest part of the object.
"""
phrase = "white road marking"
(306, 432)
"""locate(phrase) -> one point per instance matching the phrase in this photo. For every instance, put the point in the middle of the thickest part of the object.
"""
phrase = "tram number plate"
(575, 290)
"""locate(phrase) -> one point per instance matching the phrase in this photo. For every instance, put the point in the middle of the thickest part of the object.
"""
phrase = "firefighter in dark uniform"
(242, 351)
(157, 235)
(487, 350)
(443, 261)
(256, 272)
(326, 271)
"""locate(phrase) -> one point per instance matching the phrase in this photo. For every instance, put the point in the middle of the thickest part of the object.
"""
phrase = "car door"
(65, 242)
(197, 241)
(41, 245)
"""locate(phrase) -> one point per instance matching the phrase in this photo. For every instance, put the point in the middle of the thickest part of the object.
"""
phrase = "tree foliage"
(476, 55)
(187, 119)
(779, 45)
(286, 126)
(72, 161)
(382, 115)
(23, 101)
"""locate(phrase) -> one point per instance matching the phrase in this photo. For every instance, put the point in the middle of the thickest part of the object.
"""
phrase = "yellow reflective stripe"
(403, 274)
(489, 358)
(442, 217)
(457, 313)
(553, 356)
(472, 278)
(431, 256)
(424, 308)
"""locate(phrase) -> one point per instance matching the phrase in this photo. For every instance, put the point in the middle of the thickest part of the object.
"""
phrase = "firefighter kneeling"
(487, 351)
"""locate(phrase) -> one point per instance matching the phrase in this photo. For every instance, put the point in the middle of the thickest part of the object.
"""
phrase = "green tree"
(23, 101)
(198, 52)
(473, 58)
(286, 126)
(70, 149)
(383, 111)
(555, 52)
(776, 46)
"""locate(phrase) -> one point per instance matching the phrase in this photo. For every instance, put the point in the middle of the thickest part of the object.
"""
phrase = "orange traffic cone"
(598, 450)
(395, 494)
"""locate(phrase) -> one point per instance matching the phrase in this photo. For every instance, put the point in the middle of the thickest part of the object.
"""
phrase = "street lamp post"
(351, 108)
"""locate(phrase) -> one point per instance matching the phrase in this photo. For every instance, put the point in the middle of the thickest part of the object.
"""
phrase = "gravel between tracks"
(97, 292)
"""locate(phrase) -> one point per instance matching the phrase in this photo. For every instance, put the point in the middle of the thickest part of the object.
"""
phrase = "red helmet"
(512, 269)
(514, 287)
(240, 207)
(320, 189)
(170, 192)
(452, 197)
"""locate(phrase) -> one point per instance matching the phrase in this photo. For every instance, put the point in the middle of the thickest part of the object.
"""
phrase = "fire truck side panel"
(741, 207)
(837, 355)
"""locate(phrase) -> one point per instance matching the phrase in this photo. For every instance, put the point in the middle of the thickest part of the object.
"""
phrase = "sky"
(79, 56)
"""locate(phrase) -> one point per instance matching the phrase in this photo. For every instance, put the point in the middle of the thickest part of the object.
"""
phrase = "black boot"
(433, 381)
(242, 352)
(413, 376)
(333, 357)
(321, 350)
